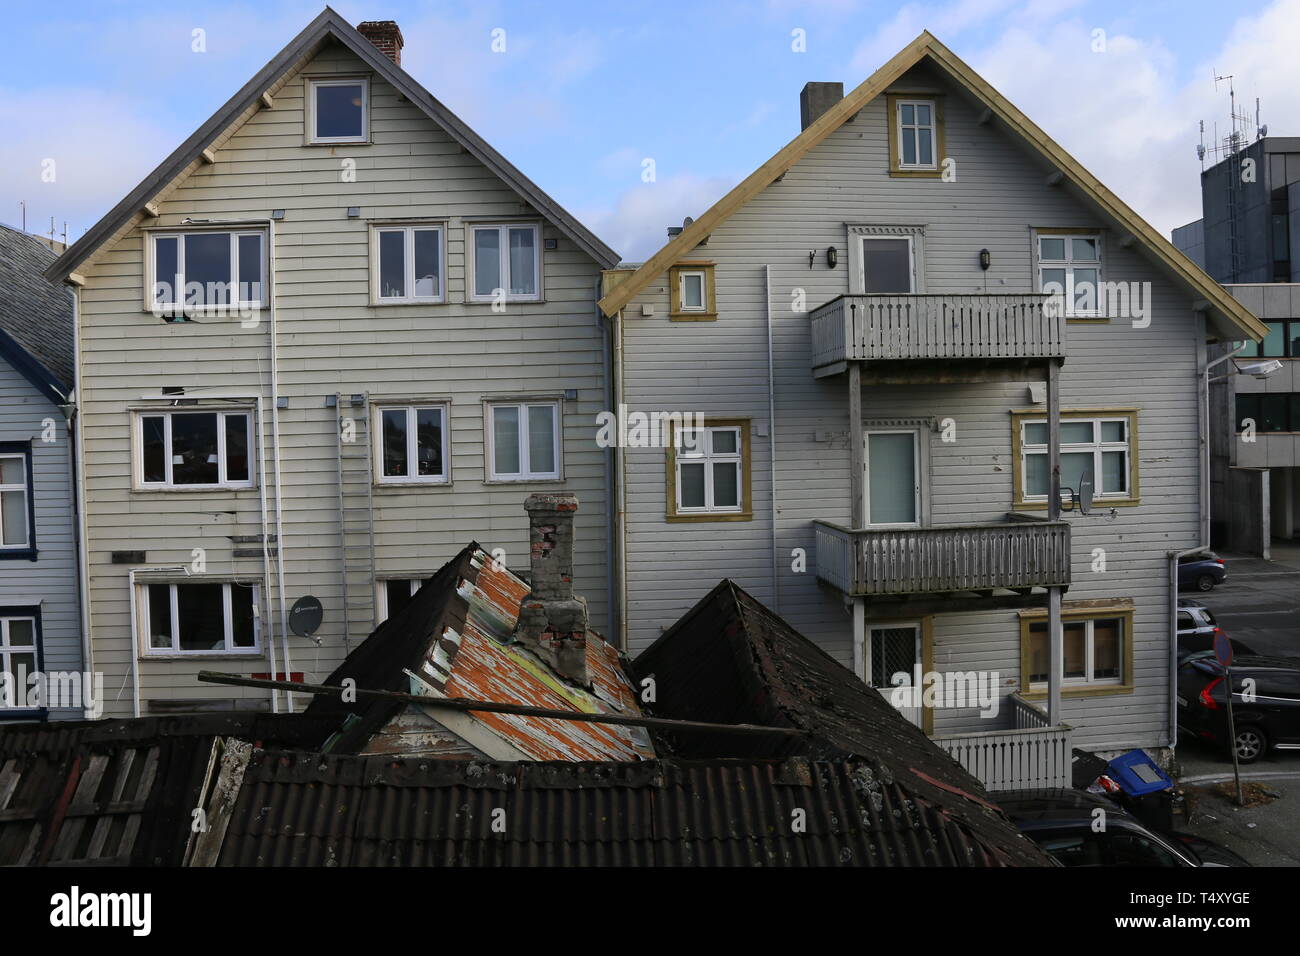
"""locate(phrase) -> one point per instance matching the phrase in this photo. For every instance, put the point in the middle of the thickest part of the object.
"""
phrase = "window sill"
(195, 490)
(509, 300)
(389, 303)
(900, 173)
(1097, 504)
(693, 316)
(312, 143)
(26, 713)
(387, 486)
(18, 554)
(1087, 320)
(523, 481)
(207, 656)
(1067, 690)
(711, 516)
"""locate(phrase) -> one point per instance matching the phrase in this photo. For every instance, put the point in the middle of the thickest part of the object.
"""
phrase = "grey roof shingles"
(35, 313)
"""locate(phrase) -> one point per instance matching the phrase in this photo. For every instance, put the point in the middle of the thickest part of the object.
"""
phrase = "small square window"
(524, 441)
(407, 264)
(413, 447)
(691, 291)
(506, 263)
(337, 110)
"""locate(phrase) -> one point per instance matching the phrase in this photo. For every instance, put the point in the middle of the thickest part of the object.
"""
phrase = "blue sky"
(585, 91)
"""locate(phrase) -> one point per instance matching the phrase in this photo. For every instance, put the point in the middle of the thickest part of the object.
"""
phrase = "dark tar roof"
(35, 315)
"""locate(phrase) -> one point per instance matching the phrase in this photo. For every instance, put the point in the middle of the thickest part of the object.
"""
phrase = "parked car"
(1266, 713)
(1201, 571)
(1196, 630)
(1062, 823)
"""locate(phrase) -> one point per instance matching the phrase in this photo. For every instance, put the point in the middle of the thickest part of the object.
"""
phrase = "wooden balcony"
(1015, 333)
(1030, 754)
(1016, 555)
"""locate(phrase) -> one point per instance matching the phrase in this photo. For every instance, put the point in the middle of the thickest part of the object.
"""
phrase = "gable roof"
(1235, 319)
(457, 636)
(328, 25)
(731, 660)
(35, 316)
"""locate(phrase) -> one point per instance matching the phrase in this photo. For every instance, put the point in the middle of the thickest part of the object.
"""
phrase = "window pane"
(726, 441)
(392, 264)
(1073, 433)
(237, 447)
(250, 269)
(909, 146)
(397, 594)
(160, 615)
(1051, 249)
(428, 440)
(1085, 290)
(886, 265)
(487, 261)
(13, 470)
(891, 468)
(1053, 281)
(925, 143)
(690, 442)
(27, 664)
(394, 428)
(22, 633)
(726, 484)
(338, 111)
(923, 114)
(1274, 344)
(1294, 419)
(523, 261)
(692, 291)
(1247, 408)
(202, 617)
(1112, 431)
(505, 440)
(1105, 649)
(428, 281)
(1074, 650)
(690, 483)
(541, 439)
(1074, 466)
(1114, 477)
(1272, 413)
(207, 262)
(165, 266)
(13, 517)
(1036, 475)
(1035, 433)
(909, 113)
(1083, 250)
(154, 446)
(194, 449)
(241, 616)
(1038, 655)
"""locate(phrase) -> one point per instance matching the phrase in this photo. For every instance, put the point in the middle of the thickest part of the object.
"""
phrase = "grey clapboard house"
(40, 620)
(865, 325)
(331, 332)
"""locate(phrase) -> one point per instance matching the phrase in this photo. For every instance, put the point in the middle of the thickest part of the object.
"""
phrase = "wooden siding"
(331, 340)
(720, 368)
(51, 580)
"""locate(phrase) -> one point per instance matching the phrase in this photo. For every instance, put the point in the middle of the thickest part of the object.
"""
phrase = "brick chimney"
(385, 35)
(552, 619)
(815, 99)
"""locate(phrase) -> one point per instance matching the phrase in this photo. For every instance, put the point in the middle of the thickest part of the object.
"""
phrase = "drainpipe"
(275, 461)
(135, 632)
(611, 511)
(78, 496)
(771, 430)
(620, 457)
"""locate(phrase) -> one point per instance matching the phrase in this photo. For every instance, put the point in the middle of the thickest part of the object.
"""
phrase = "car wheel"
(1205, 583)
(1251, 744)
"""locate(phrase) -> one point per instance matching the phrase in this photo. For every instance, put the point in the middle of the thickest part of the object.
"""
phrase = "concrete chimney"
(386, 36)
(815, 99)
(552, 619)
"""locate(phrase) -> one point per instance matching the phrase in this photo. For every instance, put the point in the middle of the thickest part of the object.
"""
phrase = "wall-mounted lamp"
(832, 257)
(986, 259)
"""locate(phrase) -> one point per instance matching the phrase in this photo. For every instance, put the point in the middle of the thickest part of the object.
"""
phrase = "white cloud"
(637, 224)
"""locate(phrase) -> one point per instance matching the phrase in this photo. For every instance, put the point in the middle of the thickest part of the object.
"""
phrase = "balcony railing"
(1034, 754)
(892, 561)
(863, 328)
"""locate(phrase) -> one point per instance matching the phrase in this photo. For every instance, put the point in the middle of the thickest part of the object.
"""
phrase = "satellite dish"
(305, 616)
(1085, 493)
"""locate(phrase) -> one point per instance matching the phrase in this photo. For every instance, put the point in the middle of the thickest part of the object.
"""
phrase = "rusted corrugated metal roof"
(732, 660)
(301, 810)
(457, 637)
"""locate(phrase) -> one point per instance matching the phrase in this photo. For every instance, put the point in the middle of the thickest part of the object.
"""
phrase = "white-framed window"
(194, 449)
(199, 617)
(1069, 266)
(338, 109)
(887, 264)
(709, 470)
(407, 263)
(207, 269)
(17, 651)
(394, 594)
(691, 289)
(1097, 449)
(523, 441)
(1093, 652)
(413, 445)
(15, 506)
(506, 257)
(916, 133)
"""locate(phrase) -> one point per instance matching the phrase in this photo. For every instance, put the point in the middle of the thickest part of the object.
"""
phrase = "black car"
(1064, 824)
(1201, 571)
(1265, 703)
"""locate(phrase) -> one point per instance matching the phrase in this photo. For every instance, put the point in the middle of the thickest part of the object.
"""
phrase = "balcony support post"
(1055, 636)
(857, 458)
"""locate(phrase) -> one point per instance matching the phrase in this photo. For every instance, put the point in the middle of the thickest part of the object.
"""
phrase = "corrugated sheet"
(303, 810)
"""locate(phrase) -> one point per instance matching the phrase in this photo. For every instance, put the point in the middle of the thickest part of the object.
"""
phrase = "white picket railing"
(1034, 755)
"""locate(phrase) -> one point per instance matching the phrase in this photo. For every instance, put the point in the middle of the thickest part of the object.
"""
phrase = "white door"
(893, 660)
(893, 478)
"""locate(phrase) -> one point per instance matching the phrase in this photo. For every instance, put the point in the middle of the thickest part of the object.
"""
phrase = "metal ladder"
(356, 516)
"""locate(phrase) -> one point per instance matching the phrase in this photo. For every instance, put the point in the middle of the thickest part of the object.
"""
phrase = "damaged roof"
(457, 637)
(731, 660)
(300, 810)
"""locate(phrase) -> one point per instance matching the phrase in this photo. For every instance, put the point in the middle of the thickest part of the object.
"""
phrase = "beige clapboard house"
(887, 389)
(332, 336)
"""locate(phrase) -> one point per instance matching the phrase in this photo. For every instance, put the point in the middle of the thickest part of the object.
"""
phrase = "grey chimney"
(815, 99)
(552, 619)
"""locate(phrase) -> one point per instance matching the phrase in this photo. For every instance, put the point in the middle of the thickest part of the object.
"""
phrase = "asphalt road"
(1259, 603)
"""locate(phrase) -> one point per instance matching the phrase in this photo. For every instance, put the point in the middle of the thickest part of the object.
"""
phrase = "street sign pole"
(1223, 653)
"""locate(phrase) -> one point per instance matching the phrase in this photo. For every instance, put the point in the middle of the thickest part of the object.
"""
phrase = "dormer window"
(338, 110)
